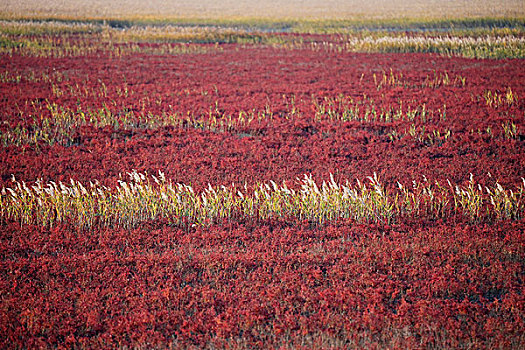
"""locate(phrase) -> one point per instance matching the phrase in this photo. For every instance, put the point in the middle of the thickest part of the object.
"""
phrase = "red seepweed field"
(274, 190)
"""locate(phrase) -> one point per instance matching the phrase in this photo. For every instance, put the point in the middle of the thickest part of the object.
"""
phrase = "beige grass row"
(144, 198)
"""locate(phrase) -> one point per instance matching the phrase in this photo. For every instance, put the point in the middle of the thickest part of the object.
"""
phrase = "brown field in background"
(265, 8)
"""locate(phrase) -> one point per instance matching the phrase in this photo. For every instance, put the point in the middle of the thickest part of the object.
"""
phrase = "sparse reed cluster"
(54, 123)
(58, 124)
(144, 198)
(365, 110)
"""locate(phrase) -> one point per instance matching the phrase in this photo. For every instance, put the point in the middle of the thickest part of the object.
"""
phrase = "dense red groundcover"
(266, 284)
(409, 285)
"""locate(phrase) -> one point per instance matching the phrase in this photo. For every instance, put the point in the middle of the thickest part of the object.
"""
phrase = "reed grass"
(490, 46)
(51, 123)
(496, 99)
(144, 198)
(366, 110)
(496, 38)
(457, 24)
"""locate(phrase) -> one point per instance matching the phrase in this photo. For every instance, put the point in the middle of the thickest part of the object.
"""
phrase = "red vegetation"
(410, 285)
(269, 284)
(250, 78)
